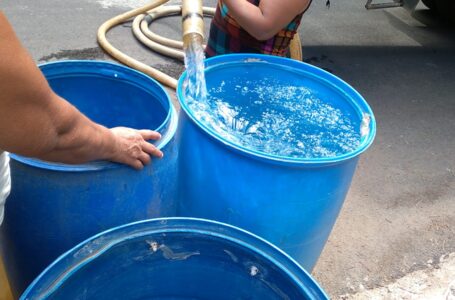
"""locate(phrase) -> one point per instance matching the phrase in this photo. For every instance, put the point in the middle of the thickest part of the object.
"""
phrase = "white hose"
(143, 17)
(155, 42)
(127, 60)
(158, 43)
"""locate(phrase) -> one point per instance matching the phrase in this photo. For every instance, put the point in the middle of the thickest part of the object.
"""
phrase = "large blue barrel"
(174, 258)
(292, 202)
(53, 207)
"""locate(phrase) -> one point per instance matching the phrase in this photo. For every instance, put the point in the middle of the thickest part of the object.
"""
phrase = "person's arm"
(36, 122)
(267, 19)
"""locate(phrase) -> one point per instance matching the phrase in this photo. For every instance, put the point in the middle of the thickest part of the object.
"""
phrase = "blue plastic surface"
(53, 207)
(290, 201)
(174, 258)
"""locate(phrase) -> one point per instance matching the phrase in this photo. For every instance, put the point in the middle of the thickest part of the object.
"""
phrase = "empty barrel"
(53, 207)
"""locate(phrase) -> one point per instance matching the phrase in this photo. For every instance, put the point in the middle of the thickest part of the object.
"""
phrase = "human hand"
(132, 147)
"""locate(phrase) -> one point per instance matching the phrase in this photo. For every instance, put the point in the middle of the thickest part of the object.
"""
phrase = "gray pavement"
(399, 216)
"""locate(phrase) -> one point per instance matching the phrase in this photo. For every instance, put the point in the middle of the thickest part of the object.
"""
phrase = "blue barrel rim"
(300, 277)
(89, 66)
(360, 105)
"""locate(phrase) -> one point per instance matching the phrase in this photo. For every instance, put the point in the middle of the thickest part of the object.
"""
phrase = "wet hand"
(132, 147)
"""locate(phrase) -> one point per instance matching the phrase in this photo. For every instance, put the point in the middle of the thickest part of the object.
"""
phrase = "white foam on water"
(270, 116)
(278, 119)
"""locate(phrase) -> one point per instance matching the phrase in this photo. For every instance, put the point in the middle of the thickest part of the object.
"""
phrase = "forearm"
(251, 18)
(74, 138)
(53, 130)
(34, 121)
(267, 19)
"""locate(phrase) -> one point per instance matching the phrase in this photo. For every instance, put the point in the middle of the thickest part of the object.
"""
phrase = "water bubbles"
(254, 271)
(278, 119)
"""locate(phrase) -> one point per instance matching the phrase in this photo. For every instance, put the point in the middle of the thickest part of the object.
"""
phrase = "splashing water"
(278, 119)
(272, 117)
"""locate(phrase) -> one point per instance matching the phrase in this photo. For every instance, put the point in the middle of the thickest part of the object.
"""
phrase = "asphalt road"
(399, 215)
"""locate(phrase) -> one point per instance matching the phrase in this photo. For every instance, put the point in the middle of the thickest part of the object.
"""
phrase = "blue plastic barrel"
(53, 207)
(292, 202)
(174, 258)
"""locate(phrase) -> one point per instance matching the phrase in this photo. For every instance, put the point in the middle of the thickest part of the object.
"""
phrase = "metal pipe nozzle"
(192, 20)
